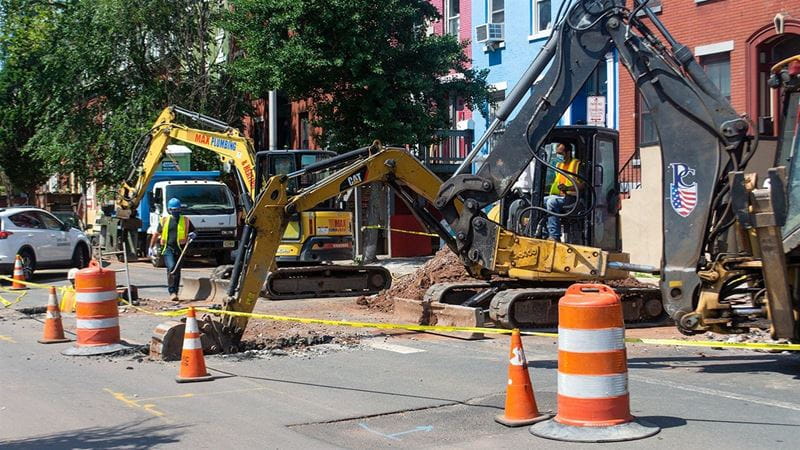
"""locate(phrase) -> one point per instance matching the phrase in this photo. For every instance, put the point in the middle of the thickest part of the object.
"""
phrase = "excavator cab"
(324, 234)
(593, 218)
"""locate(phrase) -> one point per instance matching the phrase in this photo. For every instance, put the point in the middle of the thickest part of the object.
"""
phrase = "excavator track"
(510, 305)
(326, 281)
(538, 307)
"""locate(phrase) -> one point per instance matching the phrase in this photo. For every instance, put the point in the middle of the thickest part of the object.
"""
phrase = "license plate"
(229, 244)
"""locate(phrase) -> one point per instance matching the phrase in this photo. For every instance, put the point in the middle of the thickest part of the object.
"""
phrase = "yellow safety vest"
(570, 167)
(183, 232)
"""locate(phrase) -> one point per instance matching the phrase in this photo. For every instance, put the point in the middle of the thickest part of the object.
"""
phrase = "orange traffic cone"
(521, 406)
(53, 329)
(19, 275)
(193, 364)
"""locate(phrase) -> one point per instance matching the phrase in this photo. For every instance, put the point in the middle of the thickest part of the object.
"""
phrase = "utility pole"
(273, 119)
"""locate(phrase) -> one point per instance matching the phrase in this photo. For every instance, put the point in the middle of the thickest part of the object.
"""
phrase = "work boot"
(174, 297)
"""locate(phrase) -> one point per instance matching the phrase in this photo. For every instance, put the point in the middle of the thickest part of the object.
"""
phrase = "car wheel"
(28, 263)
(80, 258)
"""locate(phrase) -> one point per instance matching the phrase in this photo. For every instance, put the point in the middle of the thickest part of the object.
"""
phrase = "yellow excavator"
(729, 247)
(311, 240)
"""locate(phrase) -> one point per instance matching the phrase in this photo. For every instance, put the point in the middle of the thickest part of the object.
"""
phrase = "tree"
(98, 72)
(370, 67)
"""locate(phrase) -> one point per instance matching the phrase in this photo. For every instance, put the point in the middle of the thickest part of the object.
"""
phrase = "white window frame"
(535, 32)
(448, 17)
(492, 11)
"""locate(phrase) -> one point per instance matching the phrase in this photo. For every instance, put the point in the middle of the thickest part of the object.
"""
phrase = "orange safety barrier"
(53, 328)
(19, 275)
(193, 363)
(520, 406)
(593, 400)
(97, 314)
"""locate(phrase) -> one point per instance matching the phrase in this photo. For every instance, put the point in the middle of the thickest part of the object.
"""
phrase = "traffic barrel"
(193, 363)
(520, 406)
(19, 275)
(53, 328)
(593, 401)
(96, 312)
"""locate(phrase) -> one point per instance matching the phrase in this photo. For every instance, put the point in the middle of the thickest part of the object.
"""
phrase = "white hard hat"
(72, 273)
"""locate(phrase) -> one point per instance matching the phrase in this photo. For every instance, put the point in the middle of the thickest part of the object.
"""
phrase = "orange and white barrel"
(97, 315)
(593, 400)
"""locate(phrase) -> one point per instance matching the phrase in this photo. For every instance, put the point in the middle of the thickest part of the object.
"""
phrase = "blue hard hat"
(173, 203)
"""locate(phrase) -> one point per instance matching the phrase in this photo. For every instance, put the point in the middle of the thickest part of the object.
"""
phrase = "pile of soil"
(444, 267)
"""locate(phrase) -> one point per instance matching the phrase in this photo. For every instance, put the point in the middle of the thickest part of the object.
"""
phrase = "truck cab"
(209, 205)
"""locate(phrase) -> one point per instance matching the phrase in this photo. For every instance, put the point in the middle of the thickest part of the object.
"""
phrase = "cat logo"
(354, 180)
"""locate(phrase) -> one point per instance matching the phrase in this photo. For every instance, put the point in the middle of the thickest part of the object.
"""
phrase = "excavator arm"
(227, 142)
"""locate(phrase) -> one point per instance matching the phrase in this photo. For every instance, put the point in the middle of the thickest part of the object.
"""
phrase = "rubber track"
(326, 281)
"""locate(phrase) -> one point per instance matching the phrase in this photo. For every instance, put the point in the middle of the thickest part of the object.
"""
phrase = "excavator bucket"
(203, 288)
(425, 312)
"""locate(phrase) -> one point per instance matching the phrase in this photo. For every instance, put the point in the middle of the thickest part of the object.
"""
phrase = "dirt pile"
(442, 268)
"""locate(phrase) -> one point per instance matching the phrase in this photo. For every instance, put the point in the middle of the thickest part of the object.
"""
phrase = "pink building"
(456, 20)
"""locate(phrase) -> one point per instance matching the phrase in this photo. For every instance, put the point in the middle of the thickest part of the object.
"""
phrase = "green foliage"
(82, 80)
(370, 66)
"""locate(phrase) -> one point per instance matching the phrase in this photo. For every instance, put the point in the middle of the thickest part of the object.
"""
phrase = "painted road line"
(8, 339)
(134, 403)
(402, 349)
(394, 436)
(718, 393)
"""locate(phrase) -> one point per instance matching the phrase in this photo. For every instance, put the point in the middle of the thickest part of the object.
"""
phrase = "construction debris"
(445, 266)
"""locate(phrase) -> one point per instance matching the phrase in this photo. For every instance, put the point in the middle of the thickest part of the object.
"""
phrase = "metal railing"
(452, 148)
(630, 175)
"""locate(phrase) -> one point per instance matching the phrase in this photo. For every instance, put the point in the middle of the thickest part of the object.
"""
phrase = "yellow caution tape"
(397, 230)
(414, 327)
(450, 329)
(7, 303)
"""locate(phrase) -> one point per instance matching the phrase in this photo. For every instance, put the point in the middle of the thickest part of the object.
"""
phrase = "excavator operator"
(563, 191)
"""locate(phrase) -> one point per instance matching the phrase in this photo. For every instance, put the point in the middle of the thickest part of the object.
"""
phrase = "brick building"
(737, 42)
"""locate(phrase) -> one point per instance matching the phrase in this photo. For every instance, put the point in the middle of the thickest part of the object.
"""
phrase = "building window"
(718, 68)
(542, 16)
(452, 16)
(497, 11)
(647, 127)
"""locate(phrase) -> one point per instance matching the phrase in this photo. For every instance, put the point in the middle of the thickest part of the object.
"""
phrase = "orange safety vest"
(570, 167)
(183, 232)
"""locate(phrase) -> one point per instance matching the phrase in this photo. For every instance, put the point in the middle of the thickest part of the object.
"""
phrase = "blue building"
(507, 36)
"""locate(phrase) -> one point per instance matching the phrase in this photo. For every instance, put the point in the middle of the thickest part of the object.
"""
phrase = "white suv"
(41, 240)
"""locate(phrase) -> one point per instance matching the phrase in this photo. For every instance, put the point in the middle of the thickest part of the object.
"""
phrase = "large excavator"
(311, 239)
(728, 264)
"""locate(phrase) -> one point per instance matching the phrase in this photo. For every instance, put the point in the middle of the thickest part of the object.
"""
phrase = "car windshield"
(201, 199)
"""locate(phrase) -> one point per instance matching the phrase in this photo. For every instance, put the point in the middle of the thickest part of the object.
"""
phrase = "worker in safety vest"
(563, 191)
(174, 231)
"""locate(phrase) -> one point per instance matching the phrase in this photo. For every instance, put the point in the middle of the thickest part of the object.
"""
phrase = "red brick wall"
(694, 24)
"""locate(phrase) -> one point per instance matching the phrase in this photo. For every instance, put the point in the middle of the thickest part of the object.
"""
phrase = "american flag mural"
(683, 189)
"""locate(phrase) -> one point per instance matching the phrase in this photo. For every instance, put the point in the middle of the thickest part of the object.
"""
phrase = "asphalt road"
(401, 390)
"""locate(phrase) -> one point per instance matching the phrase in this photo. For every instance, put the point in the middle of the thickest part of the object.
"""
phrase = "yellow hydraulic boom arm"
(228, 143)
